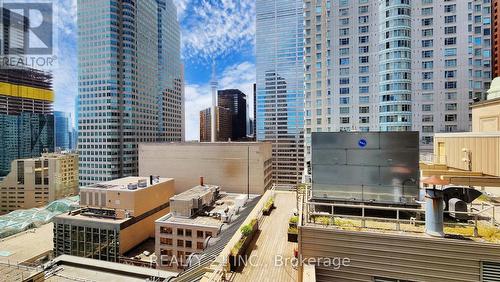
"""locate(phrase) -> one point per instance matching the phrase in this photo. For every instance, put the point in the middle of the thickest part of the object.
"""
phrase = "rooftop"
(195, 192)
(93, 216)
(26, 245)
(67, 267)
(377, 219)
(127, 183)
(213, 216)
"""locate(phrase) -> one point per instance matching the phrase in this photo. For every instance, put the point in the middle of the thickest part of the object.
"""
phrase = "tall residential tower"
(394, 65)
(130, 83)
(280, 85)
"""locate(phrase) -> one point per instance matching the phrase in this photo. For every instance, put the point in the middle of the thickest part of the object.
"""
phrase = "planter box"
(292, 237)
(239, 259)
(268, 211)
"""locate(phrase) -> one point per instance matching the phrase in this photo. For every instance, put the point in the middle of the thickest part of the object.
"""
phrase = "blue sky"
(220, 29)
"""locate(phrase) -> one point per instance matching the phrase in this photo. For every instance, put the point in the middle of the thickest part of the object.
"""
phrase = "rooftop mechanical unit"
(366, 167)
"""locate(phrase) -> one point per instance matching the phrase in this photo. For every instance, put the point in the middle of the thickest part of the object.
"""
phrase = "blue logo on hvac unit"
(362, 143)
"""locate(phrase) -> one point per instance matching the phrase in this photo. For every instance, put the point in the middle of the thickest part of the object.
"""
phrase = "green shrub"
(293, 230)
(294, 219)
(246, 230)
(269, 204)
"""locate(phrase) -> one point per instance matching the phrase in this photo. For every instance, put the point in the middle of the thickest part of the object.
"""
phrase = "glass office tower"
(63, 130)
(122, 99)
(280, 85)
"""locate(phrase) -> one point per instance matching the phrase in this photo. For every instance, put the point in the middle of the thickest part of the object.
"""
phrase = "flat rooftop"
(195, 192)
(78, 215)
(122, 183)
(212, 215)
(27, 244)
(73, 268)
(487, 232)
(10, 272)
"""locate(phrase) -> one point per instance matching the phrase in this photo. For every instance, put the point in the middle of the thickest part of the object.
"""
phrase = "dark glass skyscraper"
(235, 101)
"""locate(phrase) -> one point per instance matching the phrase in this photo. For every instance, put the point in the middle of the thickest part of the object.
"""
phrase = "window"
(199, 234)
(189, 244)
(450, 19)
(199, 245)
(166, 241)
(427, 43)
(166, 230)
(180, 243)
(180, 232)
(450, 117)
(208, 234)
(427, 22)
(188, 233)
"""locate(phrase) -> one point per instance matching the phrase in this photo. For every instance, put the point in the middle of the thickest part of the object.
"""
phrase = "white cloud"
(215, 28)
(198, 97)
(181, 7)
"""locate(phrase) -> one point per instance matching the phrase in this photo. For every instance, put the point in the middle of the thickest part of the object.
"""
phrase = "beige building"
(476, 151)
(35, 182)
(394, 256)
(235, 166)
(114, 217)
(196, 216)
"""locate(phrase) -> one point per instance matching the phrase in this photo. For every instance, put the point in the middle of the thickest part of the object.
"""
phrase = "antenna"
(214, 86)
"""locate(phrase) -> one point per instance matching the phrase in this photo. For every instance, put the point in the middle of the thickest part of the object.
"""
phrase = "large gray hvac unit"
(368, 167)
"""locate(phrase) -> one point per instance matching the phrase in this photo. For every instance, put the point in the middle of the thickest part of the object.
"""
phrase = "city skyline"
(230, 40)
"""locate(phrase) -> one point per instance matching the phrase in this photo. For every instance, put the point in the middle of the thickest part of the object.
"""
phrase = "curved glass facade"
(395, 66)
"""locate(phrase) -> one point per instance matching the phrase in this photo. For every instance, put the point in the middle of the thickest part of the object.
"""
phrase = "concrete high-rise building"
(35, 182)
(238, 167)
(130, 85)
(236, 102)
(63, 130)
(26, 115)
(394, 65)
(495, 34)
(223, 124)
(280, 85)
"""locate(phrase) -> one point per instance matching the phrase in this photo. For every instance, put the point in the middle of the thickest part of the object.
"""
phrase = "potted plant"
(293, 234)
(293, 221)
(268, 207)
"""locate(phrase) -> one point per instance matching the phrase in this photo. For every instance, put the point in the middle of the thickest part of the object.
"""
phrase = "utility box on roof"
(370, 167)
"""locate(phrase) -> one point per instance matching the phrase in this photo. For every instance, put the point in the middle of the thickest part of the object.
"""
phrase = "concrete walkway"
(271, 247)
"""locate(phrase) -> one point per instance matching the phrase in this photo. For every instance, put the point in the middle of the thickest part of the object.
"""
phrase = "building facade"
(236, 102)
(495, 34)
(237, 167)
(63, 130)
(395, 65)
(114, 217)
(35, 182)
(130, 84)
(26, 115)
(280, 85)
(223, 123)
